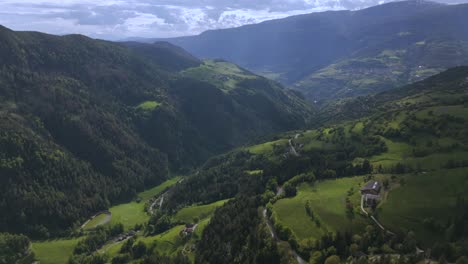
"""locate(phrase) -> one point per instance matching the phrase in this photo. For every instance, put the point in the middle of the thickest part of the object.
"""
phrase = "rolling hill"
(341, 54)
(87, 123)
(411, 139)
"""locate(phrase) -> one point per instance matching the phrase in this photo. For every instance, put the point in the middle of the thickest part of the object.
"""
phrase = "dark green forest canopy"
(15, 249)
(88, 123)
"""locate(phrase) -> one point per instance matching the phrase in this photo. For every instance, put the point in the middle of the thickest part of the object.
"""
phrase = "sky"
(120, 19)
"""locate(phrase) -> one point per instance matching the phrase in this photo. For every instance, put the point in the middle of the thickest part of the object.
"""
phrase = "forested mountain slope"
(86, 123)
(345, 53)
(415, 144)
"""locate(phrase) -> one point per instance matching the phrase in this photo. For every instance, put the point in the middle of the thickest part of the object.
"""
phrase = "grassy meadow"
(171, 242)
(129, 214)
(150, 193)
(424, 196)
(327, 200)
(54, 251)
(148, 105)
(100, 219)
(268, 147)
(223, 74)
(200, 211)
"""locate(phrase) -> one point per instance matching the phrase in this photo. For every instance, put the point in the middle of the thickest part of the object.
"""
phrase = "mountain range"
(340, 54)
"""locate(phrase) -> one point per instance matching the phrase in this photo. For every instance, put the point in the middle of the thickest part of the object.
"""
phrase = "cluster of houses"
(371, 193)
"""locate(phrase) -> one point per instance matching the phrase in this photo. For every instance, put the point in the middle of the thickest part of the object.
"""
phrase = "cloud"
(118, 19)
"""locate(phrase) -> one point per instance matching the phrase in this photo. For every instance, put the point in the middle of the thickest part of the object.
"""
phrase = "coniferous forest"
(323, 138)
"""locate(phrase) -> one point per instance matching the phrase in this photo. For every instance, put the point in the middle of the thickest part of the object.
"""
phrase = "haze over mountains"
(345, 53)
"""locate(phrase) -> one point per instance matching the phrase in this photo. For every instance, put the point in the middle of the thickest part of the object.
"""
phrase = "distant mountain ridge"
(339, 54)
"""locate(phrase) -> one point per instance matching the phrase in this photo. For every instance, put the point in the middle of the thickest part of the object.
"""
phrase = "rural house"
(372, 187)
(371, 193)
(189, 229)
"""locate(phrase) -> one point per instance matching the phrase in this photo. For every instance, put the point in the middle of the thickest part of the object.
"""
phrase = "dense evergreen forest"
(88, 123)
(15, 249)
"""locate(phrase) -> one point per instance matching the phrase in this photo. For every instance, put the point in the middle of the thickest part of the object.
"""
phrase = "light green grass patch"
(267, 148)
(133, 213)
(431, 195)
(150, 193)
(397, 151)
(358, 128)
(188, 214)
(167, 243)
(327, 200)
(148, 105)
(129, 214)
(54, 251)
(254, 172)
(222, 74)
(437, 161)
(98, 220)
(454, 110)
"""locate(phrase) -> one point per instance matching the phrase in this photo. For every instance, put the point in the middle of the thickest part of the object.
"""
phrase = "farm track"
(373, 218)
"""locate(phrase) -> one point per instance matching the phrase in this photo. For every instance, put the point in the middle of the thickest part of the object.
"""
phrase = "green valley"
(126, 152)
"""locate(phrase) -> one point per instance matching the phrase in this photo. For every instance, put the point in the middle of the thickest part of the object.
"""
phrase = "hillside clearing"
(54, 251)
(327, 200)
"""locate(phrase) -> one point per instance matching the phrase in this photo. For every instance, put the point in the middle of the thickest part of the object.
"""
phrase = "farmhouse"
(371, 193)
(189, 229)
(372, 187)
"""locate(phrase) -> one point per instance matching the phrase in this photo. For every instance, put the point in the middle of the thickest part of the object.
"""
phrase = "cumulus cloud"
(118, 19)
